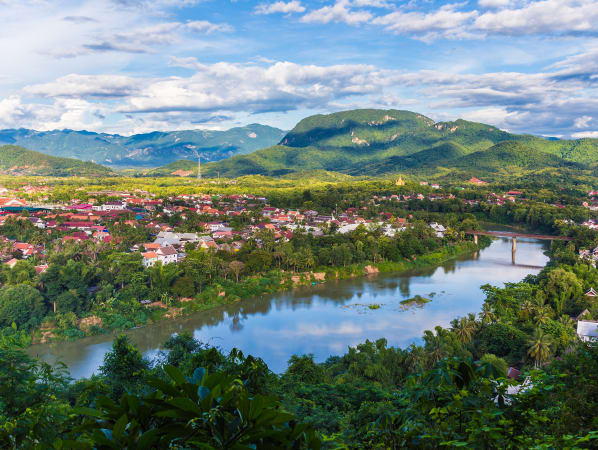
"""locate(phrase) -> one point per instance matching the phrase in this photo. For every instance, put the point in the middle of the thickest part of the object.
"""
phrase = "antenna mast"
(198, 167)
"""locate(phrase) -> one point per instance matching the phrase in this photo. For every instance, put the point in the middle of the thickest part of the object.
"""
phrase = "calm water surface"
(327, 318)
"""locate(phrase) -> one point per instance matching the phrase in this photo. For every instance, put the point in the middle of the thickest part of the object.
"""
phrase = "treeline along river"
(327, 318)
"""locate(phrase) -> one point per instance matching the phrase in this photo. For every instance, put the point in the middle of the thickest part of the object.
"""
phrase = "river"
(327, 318)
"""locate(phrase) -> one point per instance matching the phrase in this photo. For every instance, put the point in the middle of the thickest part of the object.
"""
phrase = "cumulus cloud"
(339, 12)
(495, 3)
(282, 86)
(549, 17)
(458, 20)
(551, 102)
(75, 86)
(582, 122)
(446, 21)
(293, 6)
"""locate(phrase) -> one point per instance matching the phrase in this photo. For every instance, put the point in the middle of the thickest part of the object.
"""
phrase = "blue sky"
(130, 66)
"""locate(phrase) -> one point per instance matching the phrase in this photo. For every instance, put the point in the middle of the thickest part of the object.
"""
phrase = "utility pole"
(198, 167)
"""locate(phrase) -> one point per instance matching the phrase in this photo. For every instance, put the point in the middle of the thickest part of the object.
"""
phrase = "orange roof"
(150, 255)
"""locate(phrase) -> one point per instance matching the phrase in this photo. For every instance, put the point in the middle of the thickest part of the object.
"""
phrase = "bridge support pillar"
(514, 249)
(475, 239)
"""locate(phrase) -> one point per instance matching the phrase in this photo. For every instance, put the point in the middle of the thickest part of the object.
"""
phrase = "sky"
(133, 66)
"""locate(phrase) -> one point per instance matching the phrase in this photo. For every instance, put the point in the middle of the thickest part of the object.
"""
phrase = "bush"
(21, 304)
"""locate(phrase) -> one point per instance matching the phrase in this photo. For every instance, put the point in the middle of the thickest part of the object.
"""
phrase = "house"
(12, 262)
(25, 248)
(591, 293)
(476, 181)
(587, 330)
(110, 206)
(438, 228)
(41, 269)
(168, 238)
(167, 255)
(12, 202)
(513, 373)
(149, 258)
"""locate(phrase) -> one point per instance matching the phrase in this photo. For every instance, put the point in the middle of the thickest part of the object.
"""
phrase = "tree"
(201, 411)
(21, 304)
(124, 366)
(464, 329)
(539, 347)
(562, 286)
(236, 267)
(33, 406)
(303, 369)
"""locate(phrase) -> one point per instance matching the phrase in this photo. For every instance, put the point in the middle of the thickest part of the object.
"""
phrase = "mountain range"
(145, 150)
(377, 142)
(358, 142)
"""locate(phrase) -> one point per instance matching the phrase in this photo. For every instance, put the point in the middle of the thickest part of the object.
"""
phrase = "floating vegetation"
(364, 307)
(418, 300)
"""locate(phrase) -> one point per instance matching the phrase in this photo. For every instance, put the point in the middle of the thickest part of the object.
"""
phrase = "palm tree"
(465, 330)
(487, 315)
(543, 314)
(540, 347)
(526, 309)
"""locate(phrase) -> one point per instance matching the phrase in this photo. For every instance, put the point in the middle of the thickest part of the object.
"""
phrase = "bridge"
(514, 235)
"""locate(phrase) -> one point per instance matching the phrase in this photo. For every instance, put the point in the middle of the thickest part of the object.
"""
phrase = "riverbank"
(109, 319)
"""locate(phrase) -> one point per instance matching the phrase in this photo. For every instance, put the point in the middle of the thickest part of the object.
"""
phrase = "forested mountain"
(371, 142)
(145, 150)
(15, 160)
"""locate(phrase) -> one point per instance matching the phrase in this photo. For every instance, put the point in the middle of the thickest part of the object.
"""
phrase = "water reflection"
(325, 319)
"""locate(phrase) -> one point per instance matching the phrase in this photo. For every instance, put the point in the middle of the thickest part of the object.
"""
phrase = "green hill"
(508, 155)
(371, 142)
(16, 160)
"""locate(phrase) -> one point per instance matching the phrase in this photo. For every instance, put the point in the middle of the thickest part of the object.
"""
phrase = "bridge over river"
(514, 235)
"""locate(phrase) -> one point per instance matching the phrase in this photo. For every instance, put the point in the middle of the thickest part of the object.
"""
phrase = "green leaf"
(203, 392)
(198, 375)
(148, 439)
(176, 375)
(119, 427)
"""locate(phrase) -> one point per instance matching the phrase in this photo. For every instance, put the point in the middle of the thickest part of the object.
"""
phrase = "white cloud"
(458, 21)
(562, 99)
(339, 12)
(494, 3)
(585, 134)
(282, 86)
(203, 26)
(63, 113)
(549, 17)
(582, 122)
(373, 3)
(293, 6)
(75, 86)
(446, 21)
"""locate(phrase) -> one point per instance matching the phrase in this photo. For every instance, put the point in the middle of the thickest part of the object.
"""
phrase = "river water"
(327, 318)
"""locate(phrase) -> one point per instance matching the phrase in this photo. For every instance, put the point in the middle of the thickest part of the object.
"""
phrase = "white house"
(167, 255)
(587, 330)
(110, 206)
(440, 230)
